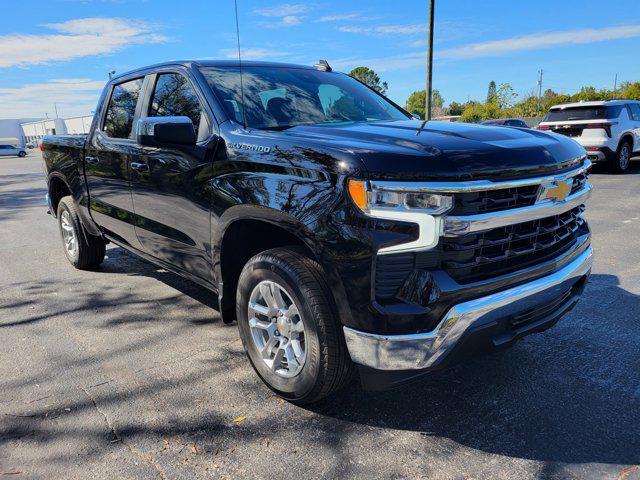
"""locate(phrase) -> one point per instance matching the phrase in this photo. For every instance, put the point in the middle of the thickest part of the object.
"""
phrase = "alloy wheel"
(68, 234)
(277, 329)
(624, 157)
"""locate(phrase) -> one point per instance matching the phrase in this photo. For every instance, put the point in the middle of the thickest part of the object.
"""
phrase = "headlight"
(369, 198)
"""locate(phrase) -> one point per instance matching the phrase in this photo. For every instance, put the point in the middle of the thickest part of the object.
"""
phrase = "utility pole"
(615, 87)
(428, 90)
(55, 107)
(540, 73)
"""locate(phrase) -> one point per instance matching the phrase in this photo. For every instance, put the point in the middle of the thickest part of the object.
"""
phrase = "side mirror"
(165, 131)
(416, 116)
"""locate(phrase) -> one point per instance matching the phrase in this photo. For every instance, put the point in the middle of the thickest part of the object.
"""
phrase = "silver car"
(12, 150)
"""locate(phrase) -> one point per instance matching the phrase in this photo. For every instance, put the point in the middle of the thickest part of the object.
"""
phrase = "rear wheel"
(288, 326)
(620, 162)
(85, 252)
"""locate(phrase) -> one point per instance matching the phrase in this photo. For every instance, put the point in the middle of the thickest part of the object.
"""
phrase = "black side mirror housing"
(165, 131)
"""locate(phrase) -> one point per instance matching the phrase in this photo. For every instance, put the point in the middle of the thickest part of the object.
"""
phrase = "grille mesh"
(504, 250)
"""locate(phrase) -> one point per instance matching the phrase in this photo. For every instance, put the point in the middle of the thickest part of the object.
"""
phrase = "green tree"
(491, 94)
(476, 112)
(631, 91)
(455, 108)
(369, 77)
(436, 99)
(415, 103)
(505, 96)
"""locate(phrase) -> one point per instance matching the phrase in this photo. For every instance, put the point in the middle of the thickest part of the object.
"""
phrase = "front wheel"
(288, 326)
(85, 252)
(22, 154)
(620, 162)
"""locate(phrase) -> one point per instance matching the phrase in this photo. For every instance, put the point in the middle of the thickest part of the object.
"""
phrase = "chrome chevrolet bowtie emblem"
(556, 191)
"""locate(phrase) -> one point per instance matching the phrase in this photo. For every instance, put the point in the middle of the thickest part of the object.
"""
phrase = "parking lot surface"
(127, 372)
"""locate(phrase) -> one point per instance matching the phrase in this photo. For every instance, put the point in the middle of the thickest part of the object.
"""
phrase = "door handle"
(92, 160)
(139, 167)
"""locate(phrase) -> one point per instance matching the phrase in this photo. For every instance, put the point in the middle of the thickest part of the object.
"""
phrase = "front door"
(107, 158)
(634, 113)
(170, 187)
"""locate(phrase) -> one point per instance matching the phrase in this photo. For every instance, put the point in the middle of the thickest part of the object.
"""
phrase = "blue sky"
(61, 50)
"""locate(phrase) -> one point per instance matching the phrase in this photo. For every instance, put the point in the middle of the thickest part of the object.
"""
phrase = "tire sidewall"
(303, 383)
(63, 207)
(619, 165)
(22, 154)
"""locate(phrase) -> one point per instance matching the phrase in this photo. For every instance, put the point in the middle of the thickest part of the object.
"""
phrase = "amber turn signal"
(358, 192)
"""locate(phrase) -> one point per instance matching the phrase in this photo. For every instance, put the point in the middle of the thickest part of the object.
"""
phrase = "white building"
(78, 125)
(34, 131)
(10, 128)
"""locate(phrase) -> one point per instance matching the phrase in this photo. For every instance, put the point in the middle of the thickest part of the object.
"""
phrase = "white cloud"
(283, 10)
(252, 53)
(383, 64)
(288, 15)
(75, 39)
(290, 20)
(73, 96)
(539, 41)
(417, 59)
(337, 18)
(409, 29)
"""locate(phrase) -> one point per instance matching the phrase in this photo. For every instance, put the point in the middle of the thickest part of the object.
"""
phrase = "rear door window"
(173, 96)
(635, 111)
(122, 109)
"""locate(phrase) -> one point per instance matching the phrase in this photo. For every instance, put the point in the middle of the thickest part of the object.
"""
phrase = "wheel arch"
(626, 137)
(248, 231)
(57, 188)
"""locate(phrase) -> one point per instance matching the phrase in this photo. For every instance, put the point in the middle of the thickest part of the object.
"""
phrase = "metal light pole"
(428, 90)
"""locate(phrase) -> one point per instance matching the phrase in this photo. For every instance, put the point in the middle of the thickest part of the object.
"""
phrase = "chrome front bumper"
(426, 350)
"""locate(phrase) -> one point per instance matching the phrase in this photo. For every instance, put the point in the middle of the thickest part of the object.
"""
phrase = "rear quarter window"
(583, 113)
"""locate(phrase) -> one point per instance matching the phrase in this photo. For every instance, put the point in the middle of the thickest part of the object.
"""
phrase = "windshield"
(583, 113)
(279, 98)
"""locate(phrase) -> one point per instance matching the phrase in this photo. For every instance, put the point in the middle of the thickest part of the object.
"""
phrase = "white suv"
(608, 130)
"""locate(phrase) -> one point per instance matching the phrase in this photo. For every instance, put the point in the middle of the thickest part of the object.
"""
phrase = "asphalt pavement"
(127, 372)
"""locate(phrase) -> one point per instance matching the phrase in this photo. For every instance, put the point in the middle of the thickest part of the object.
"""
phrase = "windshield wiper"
(278, 127)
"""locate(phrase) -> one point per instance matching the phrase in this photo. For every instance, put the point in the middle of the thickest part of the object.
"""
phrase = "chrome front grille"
(503, 250)
(493, 230)
(485, 201)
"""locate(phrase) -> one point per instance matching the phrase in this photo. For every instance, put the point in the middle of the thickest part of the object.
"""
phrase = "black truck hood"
(445, 150)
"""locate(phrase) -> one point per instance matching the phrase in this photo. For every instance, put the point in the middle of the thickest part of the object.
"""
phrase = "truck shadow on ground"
(571, 394)
(119, 260)
(563, 396)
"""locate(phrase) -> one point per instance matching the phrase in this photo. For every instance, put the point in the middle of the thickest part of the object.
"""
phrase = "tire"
(620, 161)
(85, 252)
(326, 366)
(22, 154)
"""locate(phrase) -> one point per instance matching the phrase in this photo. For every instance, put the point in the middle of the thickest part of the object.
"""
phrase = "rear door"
(634, 115)
(171, 193)
(107, 158)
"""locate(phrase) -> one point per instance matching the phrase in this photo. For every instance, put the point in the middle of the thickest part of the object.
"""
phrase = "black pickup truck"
(336, 229)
